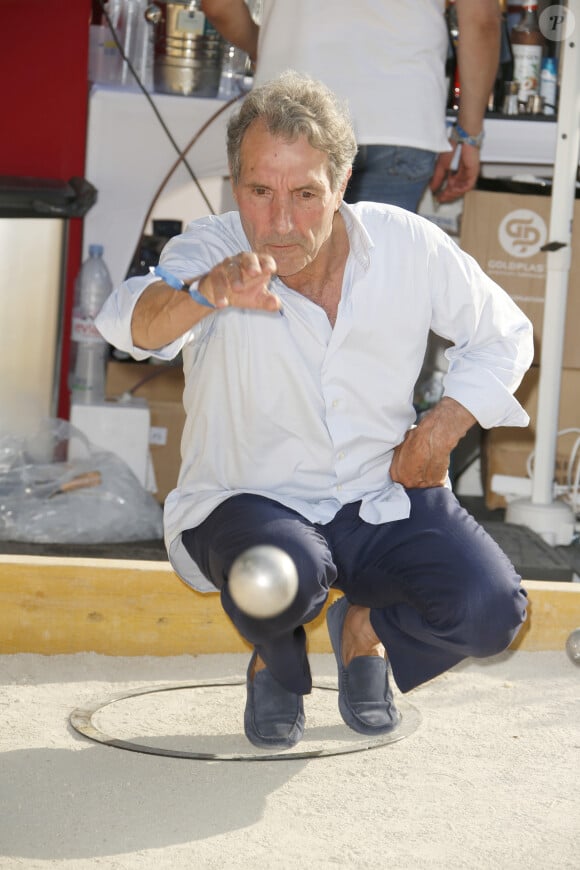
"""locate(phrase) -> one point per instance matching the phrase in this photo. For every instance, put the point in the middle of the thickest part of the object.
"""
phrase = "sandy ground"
(489, 779)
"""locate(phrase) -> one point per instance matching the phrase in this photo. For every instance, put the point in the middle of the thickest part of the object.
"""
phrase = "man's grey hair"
(296, 105)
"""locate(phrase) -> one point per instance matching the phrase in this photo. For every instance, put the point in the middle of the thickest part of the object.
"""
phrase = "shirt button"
(340, 454)
(336, 403)
(339, 487)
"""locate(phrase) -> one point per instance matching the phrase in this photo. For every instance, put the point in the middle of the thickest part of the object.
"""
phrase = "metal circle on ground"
(202, 720)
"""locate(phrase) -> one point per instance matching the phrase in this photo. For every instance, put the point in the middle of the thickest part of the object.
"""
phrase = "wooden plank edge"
(58, 605)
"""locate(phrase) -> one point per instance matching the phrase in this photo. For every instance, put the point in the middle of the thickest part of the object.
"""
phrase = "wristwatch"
(458, 134)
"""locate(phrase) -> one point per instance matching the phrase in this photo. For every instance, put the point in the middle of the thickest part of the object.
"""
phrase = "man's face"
(284, 198)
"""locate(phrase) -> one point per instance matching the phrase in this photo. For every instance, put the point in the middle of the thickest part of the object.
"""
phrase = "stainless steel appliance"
(188, 49)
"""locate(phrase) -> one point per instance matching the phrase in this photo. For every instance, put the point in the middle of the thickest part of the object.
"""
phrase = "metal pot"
(188, 49)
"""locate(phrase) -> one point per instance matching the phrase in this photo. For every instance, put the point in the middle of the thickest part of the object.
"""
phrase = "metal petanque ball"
(263, 581)
(573, 646)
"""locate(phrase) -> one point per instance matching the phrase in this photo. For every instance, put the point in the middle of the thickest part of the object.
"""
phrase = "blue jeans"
(394, 174)
(438, 586)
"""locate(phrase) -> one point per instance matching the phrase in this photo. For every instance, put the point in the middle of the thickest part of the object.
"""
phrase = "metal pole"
(551, 518)
(558, 267)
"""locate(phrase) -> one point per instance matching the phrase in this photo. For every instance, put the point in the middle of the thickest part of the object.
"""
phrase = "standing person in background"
(388, 60)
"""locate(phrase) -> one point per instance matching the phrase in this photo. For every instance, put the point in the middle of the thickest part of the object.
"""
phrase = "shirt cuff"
(491, 403)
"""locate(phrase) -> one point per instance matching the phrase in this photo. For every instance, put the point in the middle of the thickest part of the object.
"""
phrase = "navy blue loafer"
(274, 717)
(365, 699)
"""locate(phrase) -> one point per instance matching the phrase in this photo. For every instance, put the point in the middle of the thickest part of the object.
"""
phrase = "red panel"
(44, 51)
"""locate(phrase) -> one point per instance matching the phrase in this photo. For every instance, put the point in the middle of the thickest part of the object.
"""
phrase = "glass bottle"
(528, 44)
(234, 69)
(505, 70)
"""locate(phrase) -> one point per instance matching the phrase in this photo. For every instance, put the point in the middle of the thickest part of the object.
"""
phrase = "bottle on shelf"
(89, 350)
(549, 85)
(528, 44)
(105, 61)
(133, 24)
(505, 69)
(514, 12)
(136, 34)
(234, 73)
(510, 99)
(236, 66)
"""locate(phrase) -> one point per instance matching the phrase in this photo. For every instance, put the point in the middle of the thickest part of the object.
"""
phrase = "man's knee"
(493, 625)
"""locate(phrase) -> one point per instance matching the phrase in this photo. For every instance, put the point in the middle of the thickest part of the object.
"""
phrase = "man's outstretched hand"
(241, 282)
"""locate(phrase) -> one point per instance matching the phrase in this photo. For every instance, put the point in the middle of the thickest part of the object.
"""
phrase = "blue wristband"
(178, 284)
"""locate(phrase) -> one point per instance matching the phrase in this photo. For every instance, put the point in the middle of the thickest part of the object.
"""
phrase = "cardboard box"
(162, 387)
(504, 233)
(506, 450)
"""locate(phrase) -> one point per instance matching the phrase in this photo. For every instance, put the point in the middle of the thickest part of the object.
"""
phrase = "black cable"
(181, 154)
(158, 370)
(174, 166)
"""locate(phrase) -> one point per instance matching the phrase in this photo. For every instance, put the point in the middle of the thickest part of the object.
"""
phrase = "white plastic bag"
(45, 497)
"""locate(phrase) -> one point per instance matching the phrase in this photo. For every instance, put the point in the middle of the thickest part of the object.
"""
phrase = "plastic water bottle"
(549, 84)
(89, 350)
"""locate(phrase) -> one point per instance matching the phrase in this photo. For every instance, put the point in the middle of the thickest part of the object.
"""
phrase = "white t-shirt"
(288, 407)
(385, 57)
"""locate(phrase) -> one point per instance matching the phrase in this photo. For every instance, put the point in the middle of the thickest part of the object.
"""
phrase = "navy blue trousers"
(438, 586)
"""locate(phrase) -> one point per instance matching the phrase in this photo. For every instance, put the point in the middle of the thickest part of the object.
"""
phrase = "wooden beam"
(52, 605)
(553, 612)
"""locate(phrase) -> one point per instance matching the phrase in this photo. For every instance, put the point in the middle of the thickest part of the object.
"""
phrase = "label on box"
(505, 233)
(522, 233)
(158, 435)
